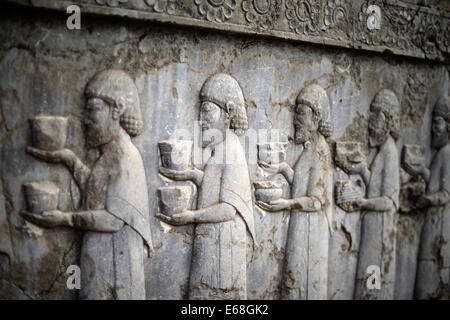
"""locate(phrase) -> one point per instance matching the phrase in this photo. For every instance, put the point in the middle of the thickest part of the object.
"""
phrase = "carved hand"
(413, 170)
(178, 219)
(271, 168)
(357, 168)
(357, 205)
(48, 219)
(275, 205)
(64, 156)
(194, 174)
(423, 202)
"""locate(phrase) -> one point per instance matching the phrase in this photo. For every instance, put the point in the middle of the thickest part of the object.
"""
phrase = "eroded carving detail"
(412, 156)
(378, 239)
(405, 29)
(433, 268)
(262, 13)
(303, 16)
(430, 35)
(169, 6)
(216, 10)
(335, 13)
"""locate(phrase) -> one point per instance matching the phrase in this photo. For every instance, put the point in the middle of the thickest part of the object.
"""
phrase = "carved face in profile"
(439, 132)
(378, 127)
(304, 123)
(214, 123)
(101, 127)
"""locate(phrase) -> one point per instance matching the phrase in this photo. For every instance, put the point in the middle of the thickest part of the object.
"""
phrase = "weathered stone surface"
(401, 27)
(45, 68)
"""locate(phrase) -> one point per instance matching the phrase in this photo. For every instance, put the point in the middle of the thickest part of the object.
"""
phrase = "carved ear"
(119, 108)
(231, 109)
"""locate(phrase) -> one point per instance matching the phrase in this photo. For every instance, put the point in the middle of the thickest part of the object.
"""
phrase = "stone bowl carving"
(41, 196)
(347, 191)
(272, 152)
(267, 191)
(412, 156)
(175, 199)
(175, 154)
(348, 153)
(49, 132)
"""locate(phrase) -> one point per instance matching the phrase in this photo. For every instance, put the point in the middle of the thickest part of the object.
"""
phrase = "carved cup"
(49, 132)
(348, 153)
(272, 152)
(174, 200)
(41, 196)
(413, 155)
(267, 191)
(175, 154)
(347, 191)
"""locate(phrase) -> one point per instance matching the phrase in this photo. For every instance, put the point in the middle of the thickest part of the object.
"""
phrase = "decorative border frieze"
(374, 25)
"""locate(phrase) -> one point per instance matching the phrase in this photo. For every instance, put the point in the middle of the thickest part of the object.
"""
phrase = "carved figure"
(305, 273)
(379, 208)
(433, 278)
(224, 207)
(115, 216)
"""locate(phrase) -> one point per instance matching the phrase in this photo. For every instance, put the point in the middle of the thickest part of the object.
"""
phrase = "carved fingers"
(357, 168)
(413, 170)
(175, 174)
(47, 219)
(275, 205)
(178, 219)
(271, 168)
(423, 202)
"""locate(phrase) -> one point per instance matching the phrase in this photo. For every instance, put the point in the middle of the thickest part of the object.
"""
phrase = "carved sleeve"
(80, 172)
(96, 220)
(316, 183)
(442, 197)
(390, 185)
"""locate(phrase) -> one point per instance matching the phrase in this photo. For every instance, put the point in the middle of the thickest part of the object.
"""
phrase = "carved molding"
(374, 25)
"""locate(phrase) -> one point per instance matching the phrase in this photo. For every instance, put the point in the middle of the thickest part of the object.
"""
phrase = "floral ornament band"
(216, 10)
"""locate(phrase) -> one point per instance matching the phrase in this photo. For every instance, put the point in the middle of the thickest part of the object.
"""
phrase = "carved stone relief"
(224, 204)
(401, 28)
(306, 261)
(262, 13)
(115, 215)
(434, 254)
(378, 237)
(202, 202)
(216, 10)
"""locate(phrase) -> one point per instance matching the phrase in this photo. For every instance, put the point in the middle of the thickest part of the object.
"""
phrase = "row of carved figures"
(115, 215)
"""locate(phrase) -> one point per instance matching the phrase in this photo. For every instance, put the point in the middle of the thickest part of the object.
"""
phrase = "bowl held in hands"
(41, 196)
(348, 153)
(175, 154)
(267, 191)
(174, 200)
(49, 132)
(348, 191)
(413, 155)
(272, 152)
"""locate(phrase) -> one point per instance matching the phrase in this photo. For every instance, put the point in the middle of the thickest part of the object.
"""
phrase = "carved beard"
(378, 138)
(439, 140)
(302, 135)
(212, 137)
(98, 135)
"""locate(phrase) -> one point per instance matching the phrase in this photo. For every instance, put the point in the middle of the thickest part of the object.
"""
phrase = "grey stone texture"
(45, 70)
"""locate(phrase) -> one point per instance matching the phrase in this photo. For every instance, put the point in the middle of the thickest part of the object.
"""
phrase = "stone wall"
(44, 69)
